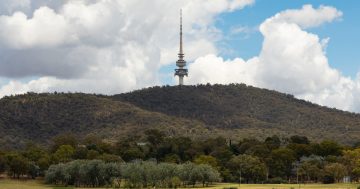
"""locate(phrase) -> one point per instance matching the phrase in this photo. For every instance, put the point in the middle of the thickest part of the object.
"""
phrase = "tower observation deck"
(181, 71)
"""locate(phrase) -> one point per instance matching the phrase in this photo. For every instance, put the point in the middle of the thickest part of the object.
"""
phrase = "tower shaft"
(181, 63)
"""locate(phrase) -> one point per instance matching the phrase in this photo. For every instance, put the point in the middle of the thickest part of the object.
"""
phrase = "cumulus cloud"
(292, 60)
(308, 16)
(100, 46)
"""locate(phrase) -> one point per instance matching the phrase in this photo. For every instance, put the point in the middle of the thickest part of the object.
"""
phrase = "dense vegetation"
(141, 164)
(39, 117)
(238, 110)
(137, 174)
(231, 111)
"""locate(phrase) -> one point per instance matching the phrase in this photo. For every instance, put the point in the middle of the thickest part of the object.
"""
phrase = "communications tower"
(181, 71)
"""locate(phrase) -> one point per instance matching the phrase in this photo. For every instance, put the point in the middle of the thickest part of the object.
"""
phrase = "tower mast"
(181, 63)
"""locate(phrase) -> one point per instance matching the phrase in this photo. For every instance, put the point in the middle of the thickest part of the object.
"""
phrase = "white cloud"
(213, 69)
(308, 16)
(46, 28)
(292, 60)
(101, 46)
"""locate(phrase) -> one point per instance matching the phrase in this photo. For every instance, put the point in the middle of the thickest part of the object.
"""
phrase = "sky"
(304, 48)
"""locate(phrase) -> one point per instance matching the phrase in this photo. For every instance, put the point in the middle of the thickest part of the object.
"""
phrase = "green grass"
(37, 184)
(22, 184)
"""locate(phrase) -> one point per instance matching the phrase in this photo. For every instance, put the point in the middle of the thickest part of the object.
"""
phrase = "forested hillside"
(204, 111)
(241, 110)
(39, 117)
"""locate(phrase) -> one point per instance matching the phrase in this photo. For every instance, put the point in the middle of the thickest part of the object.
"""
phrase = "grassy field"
(37, 184)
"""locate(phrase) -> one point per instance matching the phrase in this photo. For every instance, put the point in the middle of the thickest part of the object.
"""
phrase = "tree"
(64, 153)
(129, 150)
(132, 172)
(246, 144)
(311, 167)
(336, 170)
(188, 173)
(132, 153)
(273, 142)
(261, 150)
(249, 167)
(296, 139)
(80, 152)
(17, 165)
(34, 153)
(351, 160)
(44, 162)
(108, 158)
(92, 154)
(207, 160)
(63, 139)
(172, 158)
(207, 174)
(327, 148)
(154, 137)
(90, 173)
(56, 174)
(2, 163)
(300, 150)
(222, 153)
(280, 162)
(33, 170)
(111, 172)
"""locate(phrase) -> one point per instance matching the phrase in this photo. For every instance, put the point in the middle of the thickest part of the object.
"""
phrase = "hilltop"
(233, 111)
(239, 110)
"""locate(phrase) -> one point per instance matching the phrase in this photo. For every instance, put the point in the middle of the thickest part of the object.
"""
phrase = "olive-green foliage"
(336, 170)
(237, 106)
(40, 117)
(351, 161)
(137, 174)
(88, 173)
(64, 153)
(251, 168)
(311, 168)
(180, 110)
(207, 160)
(17, 164)
(281, 162)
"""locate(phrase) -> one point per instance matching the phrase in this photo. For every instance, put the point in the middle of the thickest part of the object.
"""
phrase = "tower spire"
(181, 63)
(181, 41)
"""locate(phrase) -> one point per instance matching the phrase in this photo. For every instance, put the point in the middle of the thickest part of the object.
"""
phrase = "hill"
(238, 110)
(39, 117)
(232, 111)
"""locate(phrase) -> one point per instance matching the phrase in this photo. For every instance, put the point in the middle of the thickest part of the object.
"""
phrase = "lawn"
(37, 184)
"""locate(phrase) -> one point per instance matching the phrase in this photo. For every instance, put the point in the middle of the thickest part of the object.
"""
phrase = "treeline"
(136, 174)
(273, 160)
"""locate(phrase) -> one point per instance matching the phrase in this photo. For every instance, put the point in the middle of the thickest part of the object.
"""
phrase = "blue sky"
(342, 50)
